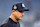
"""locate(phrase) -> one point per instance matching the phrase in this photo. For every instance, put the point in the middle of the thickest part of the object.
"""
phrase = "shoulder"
(6, 23)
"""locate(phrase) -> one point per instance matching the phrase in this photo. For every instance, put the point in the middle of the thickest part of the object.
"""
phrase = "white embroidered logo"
(23, 5)
(15, 7)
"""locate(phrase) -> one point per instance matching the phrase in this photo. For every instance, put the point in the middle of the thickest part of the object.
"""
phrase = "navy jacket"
(10, 23)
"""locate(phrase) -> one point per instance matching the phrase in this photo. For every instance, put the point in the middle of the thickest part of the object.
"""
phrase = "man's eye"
(21, 12)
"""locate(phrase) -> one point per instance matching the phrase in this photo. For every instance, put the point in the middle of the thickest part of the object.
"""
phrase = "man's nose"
(23, 14)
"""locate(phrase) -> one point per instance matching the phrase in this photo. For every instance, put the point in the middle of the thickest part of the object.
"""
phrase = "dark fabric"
(10, 23)
(20, 7)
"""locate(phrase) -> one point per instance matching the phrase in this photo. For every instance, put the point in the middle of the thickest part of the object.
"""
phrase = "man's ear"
(13, 11)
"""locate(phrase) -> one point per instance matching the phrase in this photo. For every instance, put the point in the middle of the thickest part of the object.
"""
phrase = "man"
(17, 14)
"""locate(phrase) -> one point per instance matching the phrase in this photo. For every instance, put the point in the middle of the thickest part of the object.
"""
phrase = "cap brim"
(26, 9)
(23, 9)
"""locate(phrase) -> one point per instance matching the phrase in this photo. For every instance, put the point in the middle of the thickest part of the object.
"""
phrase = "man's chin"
(21, 18)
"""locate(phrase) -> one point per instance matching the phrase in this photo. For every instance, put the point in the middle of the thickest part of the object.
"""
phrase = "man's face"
(19, 15)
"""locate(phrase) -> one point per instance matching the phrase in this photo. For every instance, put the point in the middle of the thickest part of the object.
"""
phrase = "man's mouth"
(21, 16)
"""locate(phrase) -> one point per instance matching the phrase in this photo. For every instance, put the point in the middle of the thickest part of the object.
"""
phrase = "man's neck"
(13, 18)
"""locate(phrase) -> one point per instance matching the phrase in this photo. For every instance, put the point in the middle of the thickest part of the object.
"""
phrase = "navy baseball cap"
(19, 7)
